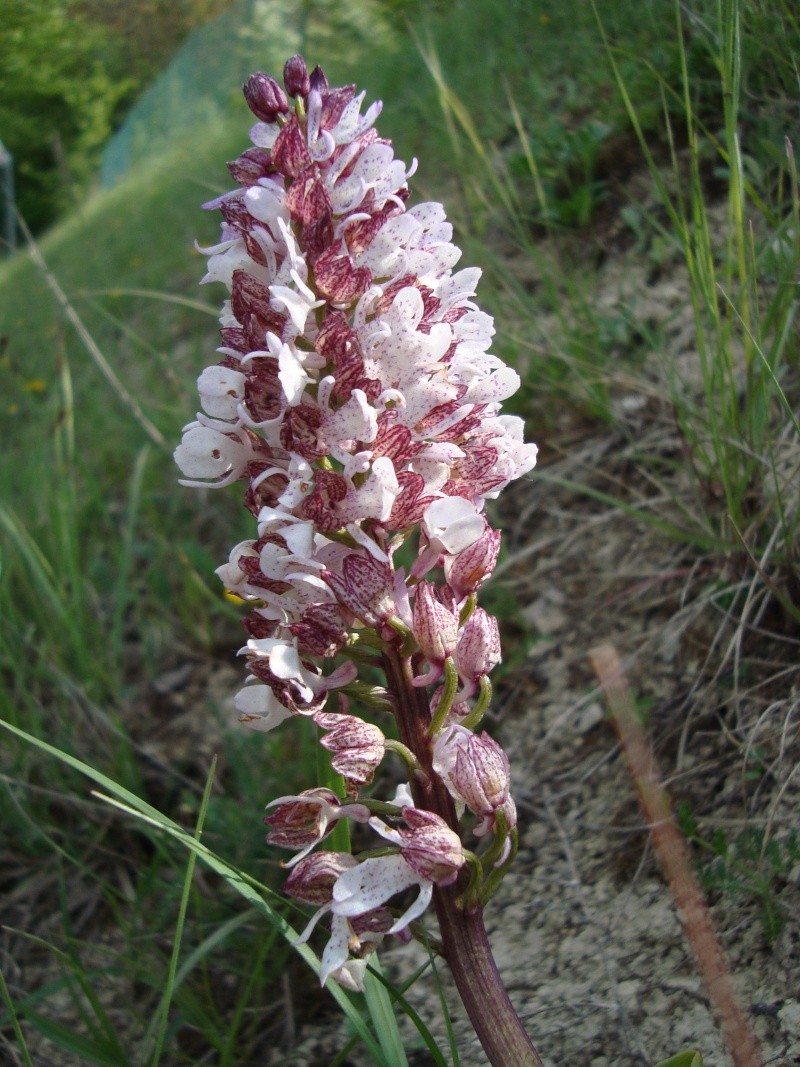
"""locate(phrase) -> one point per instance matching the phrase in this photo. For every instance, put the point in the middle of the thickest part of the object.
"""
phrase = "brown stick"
(673, 853)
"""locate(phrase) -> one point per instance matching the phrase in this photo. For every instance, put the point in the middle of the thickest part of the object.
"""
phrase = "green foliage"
(70, 69)
(57, 102)
(744, 301)
(750, 866)
(139, 36)
(259, 896)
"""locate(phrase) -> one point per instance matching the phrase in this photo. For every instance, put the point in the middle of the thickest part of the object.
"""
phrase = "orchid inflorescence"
(357, 401)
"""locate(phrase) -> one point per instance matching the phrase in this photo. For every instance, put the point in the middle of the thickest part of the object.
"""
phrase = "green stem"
(446, 700)
(481, 704)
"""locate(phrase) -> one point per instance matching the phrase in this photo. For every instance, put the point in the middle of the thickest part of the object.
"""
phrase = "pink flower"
(302, 821)
(474, 768)
(314, 877)
(478, 649)
(435, 626)
(467, 570)
(355, 893)
(429, 846)
(357, 746)
(356, 397)
(360, 935)
(365, 588)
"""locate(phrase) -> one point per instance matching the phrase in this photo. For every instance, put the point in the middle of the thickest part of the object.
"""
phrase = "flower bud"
(478, 648)
(318, 80)
(264, 97)
(295, 77)
(469, 569)
(474, 768)
(435, 626)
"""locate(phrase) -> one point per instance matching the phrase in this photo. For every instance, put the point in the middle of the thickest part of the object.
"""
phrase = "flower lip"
(371, 883)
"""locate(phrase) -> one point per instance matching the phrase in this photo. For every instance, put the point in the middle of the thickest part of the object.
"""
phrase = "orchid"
(357, 403)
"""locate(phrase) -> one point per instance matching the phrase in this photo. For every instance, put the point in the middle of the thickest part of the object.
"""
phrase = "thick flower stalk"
(357, 403)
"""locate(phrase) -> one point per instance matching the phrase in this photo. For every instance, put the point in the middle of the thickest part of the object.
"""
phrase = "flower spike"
(358, 405)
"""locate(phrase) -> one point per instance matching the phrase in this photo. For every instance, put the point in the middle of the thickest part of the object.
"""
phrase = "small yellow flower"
(35, 385)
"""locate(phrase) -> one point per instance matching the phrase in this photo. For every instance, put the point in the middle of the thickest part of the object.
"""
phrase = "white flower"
(284, 663)
(299, 302)
(231, 574)
(452, 524)
(258, 707)
(221, 389)
(212, 454)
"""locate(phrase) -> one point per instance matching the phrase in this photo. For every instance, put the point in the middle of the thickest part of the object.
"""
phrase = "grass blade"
(179, 927)
(5, 995)
(377, 992)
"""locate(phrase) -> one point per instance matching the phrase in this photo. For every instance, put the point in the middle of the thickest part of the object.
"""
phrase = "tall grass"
(742, 437)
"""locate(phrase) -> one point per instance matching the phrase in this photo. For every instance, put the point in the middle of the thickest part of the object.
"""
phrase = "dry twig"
(673, 853)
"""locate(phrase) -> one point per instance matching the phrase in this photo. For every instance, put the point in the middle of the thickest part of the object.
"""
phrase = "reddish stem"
(466, 946)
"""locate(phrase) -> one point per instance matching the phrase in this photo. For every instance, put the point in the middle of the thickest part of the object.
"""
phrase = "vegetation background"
(560, 139)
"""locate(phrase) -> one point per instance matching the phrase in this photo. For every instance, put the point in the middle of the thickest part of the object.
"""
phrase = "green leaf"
(382, 1014)
(683, 1059)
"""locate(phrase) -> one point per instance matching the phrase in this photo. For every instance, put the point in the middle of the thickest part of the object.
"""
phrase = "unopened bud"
(264, 97)
(478, 648)
(469, 569)
(318, 80)
(435, 626)
(295, 77)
